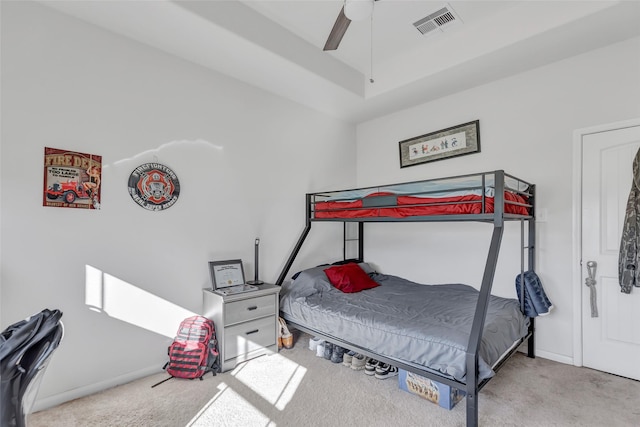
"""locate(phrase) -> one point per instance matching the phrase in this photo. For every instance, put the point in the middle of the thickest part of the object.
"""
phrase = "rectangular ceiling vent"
(439, 20)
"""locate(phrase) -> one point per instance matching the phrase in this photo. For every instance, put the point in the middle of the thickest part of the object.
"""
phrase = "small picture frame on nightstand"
(227, 277)
(226, 273)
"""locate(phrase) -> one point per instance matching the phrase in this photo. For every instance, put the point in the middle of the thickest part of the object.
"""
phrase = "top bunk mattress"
(464, 195)
(424, 325)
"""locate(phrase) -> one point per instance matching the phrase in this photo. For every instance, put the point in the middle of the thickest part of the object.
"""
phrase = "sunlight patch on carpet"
(228, 408)
(274, 378)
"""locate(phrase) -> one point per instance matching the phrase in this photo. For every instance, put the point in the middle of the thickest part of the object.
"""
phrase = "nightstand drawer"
(247, 337)
(250, 308)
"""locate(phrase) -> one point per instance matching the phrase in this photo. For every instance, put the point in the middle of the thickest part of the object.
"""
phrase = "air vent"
(438, 20)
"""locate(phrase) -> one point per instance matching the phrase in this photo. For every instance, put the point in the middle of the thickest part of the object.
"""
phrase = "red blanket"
(420, 206)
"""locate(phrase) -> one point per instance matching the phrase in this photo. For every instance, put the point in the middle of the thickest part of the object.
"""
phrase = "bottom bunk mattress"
(424, 325)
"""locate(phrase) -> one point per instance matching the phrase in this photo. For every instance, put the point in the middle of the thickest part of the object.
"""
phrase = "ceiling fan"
(353, 10)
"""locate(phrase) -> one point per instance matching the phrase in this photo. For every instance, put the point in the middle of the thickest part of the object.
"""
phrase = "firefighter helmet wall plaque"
(154, 186)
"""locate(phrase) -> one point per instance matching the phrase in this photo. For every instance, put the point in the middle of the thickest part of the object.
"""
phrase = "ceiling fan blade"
(337, 32)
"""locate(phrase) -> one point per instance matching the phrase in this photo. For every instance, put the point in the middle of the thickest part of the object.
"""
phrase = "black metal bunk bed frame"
(472, 385)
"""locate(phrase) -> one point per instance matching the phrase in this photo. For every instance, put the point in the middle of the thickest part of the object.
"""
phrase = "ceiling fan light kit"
(358, 10)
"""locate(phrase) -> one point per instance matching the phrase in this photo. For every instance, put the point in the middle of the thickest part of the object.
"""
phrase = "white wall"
(526, 128)
(244, 159)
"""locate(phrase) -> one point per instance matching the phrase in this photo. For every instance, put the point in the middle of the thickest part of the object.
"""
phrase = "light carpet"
(296, 388)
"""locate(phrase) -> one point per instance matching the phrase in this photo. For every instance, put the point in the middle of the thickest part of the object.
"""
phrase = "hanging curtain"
(628, 272)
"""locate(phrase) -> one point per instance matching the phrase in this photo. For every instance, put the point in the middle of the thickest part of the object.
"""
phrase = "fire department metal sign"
(154, 186)
(71, 179)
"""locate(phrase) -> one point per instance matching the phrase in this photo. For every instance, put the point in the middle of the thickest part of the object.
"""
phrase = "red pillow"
(349, 278)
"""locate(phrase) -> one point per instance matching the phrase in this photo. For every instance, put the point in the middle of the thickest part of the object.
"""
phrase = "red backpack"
(193, 352)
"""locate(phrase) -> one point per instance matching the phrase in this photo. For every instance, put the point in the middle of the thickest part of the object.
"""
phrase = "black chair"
(26, 348)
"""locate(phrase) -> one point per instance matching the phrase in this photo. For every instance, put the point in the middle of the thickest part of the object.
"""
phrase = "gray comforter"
(425, 325)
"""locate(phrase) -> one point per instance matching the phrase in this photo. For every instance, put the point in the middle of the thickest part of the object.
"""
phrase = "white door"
(611, 341)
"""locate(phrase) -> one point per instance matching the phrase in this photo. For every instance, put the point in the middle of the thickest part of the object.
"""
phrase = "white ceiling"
(277, 44)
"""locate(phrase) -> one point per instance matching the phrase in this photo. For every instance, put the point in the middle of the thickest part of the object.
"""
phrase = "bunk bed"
(474, 332)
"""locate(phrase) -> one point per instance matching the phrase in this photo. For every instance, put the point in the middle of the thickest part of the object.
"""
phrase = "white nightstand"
(246, 324)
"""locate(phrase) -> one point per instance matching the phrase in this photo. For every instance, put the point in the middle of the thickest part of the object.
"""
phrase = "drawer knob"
(253, 307)
(253, 332)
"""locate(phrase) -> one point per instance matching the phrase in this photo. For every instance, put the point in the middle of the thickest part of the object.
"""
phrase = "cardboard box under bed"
(433, 391)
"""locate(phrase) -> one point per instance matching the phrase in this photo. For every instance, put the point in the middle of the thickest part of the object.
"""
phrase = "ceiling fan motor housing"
(358, 10)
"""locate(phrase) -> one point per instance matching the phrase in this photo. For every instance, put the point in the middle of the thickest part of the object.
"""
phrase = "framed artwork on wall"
(71, 179)
(443, 144)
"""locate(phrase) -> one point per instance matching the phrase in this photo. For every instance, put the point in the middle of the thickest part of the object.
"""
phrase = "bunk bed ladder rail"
(530, 249)
(349, 238)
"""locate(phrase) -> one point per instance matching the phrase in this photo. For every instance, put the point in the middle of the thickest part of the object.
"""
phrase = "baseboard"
(555, 357)
(548, 355)
(57, 399)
